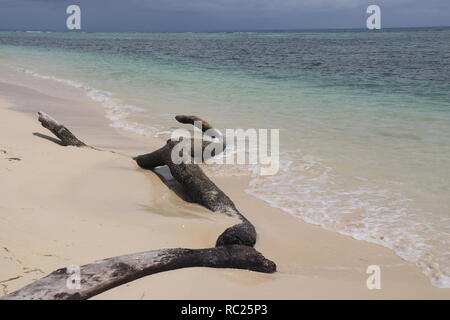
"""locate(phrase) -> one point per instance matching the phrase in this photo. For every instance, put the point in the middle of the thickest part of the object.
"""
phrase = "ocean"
(364, 117)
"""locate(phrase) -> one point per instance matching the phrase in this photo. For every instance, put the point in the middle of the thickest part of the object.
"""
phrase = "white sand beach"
(62, 206)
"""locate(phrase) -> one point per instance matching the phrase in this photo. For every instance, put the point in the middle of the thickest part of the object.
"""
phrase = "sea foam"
(311, 191)
(116, 112)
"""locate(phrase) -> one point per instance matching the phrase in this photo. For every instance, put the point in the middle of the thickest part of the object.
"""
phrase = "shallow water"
(364, 117)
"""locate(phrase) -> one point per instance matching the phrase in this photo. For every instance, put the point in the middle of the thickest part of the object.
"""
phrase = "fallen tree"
(67, 138)
(234, 247)
(106, 274)
(199, 187)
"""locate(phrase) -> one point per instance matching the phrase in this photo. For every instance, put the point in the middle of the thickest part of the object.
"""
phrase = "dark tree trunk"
(203, 191)
(106, 274)
(67, 138)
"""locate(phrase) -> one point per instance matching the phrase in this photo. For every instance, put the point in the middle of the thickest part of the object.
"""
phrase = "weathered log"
(192, 120)
(203, 191)
(198, 186)
(64, 134)
(233, 247)
(106, 274)
(220, 140)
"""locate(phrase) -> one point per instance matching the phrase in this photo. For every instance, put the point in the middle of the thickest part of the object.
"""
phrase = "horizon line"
(221, 30)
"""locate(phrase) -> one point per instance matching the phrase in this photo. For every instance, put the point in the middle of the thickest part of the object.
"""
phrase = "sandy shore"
(63, 206)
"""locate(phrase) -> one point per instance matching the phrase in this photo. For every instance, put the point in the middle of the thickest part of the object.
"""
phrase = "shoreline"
(140, 213)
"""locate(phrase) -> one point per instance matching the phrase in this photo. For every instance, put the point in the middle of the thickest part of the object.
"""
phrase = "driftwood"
(234, 247)
(215, 146)
(200, 188)
(192, 120)
(106, 274)
(67, 138)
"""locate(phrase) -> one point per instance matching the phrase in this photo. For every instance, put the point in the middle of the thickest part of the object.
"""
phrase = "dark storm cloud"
(174, 15)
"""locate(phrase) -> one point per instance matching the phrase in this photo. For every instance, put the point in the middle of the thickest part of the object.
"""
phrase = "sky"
(218, 15)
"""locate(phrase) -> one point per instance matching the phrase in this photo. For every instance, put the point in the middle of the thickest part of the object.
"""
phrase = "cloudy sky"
(211, 15)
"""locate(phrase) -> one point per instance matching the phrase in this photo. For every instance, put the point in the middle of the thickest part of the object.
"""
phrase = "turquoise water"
(364, 117)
